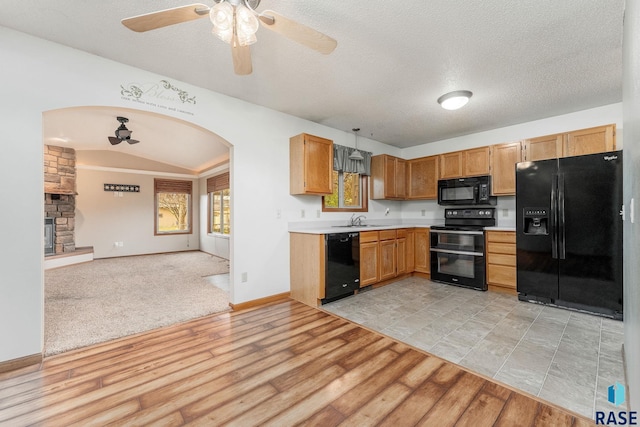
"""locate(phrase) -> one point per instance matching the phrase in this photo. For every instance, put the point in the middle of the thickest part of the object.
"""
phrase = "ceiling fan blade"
(132, 141)
(163, 18)
(241, 58)
(114, 141)
(297, 32)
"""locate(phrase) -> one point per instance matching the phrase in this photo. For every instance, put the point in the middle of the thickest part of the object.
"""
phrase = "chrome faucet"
(357, 220)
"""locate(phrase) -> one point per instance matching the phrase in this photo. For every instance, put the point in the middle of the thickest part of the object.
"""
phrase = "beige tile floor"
(565, 357)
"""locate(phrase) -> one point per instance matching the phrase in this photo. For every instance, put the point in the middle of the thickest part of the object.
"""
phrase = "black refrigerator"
(569, 232)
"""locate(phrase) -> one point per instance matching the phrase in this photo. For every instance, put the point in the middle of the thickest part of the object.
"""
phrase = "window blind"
(172, 186)
(218, 182)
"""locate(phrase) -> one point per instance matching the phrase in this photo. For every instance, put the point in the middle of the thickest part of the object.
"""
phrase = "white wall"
(102, 219)
(631, 102)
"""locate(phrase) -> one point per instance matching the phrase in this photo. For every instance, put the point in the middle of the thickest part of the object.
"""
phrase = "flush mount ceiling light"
(355, 154)
(454, 100)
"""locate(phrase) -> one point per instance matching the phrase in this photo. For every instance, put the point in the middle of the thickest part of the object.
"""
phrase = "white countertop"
(326, 229)
(501, 228)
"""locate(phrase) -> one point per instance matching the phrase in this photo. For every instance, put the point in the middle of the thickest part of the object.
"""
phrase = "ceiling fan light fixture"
(221, 16)
(454, 100)
(246, 25)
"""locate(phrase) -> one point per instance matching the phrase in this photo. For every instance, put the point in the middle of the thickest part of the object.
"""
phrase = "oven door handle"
(477, 233)
(448, 251)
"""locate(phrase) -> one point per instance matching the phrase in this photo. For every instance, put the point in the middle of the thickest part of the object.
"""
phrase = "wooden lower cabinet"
(404, 254)
(388, 254)
(307, 267)
(422, 255)
(501, 260)
(369, 254)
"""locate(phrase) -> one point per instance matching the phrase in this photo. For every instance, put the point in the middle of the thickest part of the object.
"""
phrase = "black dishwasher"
(342, 275)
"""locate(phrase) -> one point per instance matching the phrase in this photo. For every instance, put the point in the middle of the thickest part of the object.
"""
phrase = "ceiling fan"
(122, 133)
(235, 22)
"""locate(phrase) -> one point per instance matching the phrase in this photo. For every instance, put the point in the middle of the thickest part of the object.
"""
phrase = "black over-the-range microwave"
(465, 191)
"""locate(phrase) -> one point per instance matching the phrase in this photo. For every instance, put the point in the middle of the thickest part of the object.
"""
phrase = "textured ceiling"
(523, 60)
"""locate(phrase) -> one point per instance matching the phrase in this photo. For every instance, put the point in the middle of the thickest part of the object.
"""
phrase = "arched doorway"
(119, 225)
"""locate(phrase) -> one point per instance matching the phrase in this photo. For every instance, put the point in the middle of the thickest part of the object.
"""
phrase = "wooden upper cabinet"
(576, 143)
(476, 161)
(310, 165)
(589, 141)
(422, 178)
(458, 164)
(543, 148)
(503, 159)
(388, 177)
(451, 165)
(401, 179)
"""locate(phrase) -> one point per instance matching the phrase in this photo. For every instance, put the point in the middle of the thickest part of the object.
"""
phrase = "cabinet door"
(451, 165)
(410, 251)
(590, 141)
(401, 253)
(310, 165)
(401, 179)
(476, 161)
(422, 253)
(422, 177)
(389, 177)
(369, 273)
(503, 168)
(387, 259)
(543, 148)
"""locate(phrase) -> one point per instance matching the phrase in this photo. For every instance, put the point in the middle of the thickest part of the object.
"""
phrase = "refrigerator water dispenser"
(536, 221)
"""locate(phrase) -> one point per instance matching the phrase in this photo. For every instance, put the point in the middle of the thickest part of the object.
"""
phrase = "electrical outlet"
(302, 213)
(505, 212)
(243, 277)
(423, 212)
(318, 213)
(278, 213)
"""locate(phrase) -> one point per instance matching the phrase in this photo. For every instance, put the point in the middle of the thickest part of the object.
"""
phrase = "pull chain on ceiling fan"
(235, 22)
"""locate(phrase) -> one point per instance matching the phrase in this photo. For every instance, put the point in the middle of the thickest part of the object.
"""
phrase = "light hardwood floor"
(278, 365)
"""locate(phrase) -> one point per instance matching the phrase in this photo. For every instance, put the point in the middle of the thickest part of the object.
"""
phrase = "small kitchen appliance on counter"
(569, 232)
(458, 249)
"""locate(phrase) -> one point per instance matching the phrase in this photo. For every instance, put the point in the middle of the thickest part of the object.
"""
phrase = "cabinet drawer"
(386, 234)
(501, 275)
(501, 236)
(368, 236)
(501, 259)
(501, 248)
(402, 232)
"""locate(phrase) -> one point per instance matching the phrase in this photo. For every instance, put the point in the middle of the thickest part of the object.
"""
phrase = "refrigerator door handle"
(554, 217)
(561, 226)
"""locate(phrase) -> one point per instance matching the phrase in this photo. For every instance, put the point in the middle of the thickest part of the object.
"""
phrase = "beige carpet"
(115, 297)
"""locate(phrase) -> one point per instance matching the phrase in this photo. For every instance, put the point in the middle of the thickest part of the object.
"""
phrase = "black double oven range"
(457, 249)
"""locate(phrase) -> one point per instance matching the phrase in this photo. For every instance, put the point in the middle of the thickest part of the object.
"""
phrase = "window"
(349, 193)
(173, 206)
(219, 204)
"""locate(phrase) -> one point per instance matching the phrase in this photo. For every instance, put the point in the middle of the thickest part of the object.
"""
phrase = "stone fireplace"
(60, 198)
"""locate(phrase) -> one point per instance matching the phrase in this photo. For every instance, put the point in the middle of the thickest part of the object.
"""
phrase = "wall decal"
(158, 94)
